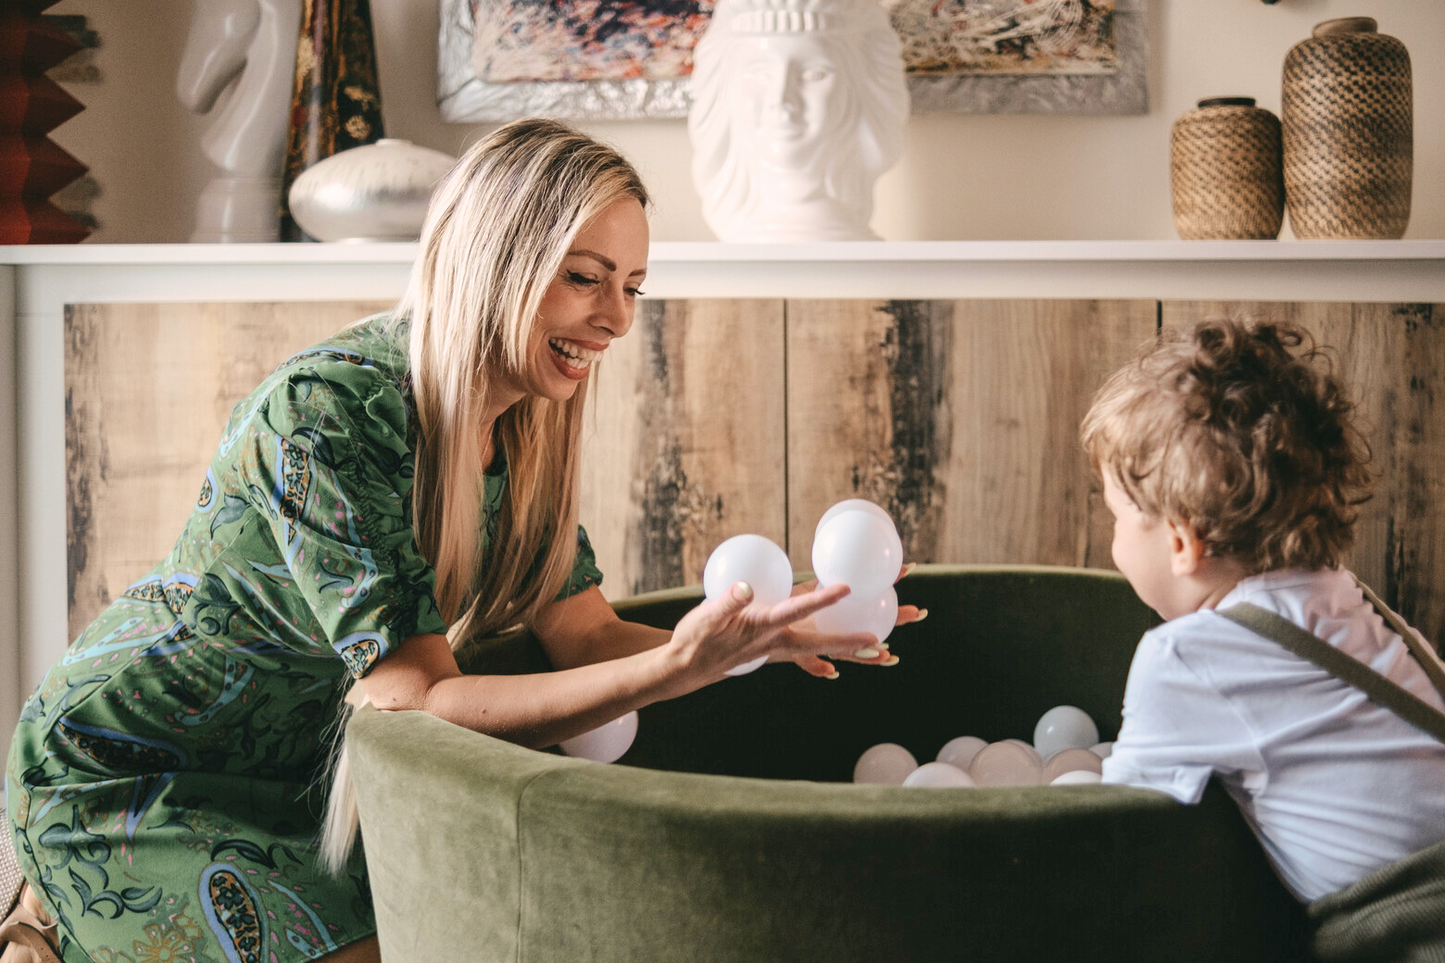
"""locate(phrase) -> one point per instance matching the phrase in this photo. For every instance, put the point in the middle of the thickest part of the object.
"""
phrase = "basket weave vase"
(1347, 113)
(1224, 171)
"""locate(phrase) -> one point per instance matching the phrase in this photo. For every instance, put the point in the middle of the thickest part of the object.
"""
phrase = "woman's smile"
(573, 358)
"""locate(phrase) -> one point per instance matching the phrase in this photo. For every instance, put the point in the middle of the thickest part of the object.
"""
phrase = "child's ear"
(1185, 548)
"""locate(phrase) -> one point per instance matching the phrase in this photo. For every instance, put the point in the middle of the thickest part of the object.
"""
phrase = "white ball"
(886, 764)
(858, 613)
(752, 559)
(1076, 777)
(1034, 754)
(938, 774)
(606, 743)
(850, 505)
(1071, 760)
(1102, 749)
(1006, 763)
(960, 752)
(1064, 727)
(860, 550)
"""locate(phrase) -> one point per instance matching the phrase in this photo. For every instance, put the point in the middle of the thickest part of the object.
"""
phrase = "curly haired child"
(1233, 466)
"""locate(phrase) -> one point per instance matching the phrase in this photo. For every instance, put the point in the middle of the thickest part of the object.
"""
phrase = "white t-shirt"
(1334, 785)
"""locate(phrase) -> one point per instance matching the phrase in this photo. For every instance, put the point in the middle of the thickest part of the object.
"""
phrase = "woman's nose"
(615, 316)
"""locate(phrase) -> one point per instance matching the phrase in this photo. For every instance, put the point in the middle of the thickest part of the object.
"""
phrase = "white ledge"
(664, 252)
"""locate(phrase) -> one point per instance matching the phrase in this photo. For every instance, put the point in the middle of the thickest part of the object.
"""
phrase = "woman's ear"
(1186, 548)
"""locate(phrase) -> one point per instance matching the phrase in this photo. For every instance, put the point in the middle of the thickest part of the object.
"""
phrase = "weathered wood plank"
(148, 389)
(960, 418)
(1392, 356)
(685, 443)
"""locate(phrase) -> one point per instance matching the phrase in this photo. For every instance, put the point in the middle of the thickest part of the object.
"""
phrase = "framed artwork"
(625, 59)
(1024, 56)
(589, 59)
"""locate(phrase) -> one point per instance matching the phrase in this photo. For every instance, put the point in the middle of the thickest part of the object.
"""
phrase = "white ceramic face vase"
(798, 106)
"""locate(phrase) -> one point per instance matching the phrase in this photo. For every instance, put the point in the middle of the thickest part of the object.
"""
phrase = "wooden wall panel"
(959, 417)
(148, 389)
(1393, 357)
(685, 442)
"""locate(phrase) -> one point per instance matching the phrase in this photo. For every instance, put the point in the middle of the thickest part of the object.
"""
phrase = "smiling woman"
(407, 485)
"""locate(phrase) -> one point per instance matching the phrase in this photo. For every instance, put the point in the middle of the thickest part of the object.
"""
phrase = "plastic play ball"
(1064, 727)
(1005, 764)
(1071, 760)
(960, 752)
(752, 559)
(857, 613)
(1028, 747)
(938, 775)
(1077, 777)
(606, 743)
(1102, 749)
(860, 550)
(886, 764)
(851, 505)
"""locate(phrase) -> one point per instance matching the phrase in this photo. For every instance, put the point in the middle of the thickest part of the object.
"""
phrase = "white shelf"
(665, 252)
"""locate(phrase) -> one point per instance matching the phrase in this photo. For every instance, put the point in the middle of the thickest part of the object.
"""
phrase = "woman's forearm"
(534, 710)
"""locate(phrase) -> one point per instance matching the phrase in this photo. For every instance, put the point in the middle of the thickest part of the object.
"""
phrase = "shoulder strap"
(1427, 657)
(1306, 645)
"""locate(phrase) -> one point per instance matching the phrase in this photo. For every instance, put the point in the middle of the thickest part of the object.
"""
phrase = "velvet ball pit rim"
(550, 858)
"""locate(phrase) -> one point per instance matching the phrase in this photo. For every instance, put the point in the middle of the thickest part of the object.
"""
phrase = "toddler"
(1231, 462)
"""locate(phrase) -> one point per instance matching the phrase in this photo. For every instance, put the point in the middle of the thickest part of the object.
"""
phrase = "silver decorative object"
(377, 192)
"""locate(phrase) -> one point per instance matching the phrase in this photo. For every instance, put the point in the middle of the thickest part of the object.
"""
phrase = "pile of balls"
(855, 544)
(1066, 751)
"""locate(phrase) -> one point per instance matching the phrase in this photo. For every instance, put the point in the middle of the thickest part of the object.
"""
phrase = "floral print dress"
(163, 783)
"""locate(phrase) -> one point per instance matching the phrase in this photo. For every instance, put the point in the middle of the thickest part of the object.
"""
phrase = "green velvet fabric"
(729, 833)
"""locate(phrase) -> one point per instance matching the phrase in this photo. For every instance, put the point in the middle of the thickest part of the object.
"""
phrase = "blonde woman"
(414, 477)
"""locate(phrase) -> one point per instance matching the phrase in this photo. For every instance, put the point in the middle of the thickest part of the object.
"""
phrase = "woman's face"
(590, 301)
(790, 96)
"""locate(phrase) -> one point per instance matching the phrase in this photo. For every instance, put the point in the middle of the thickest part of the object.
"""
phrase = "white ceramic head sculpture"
(798, 106)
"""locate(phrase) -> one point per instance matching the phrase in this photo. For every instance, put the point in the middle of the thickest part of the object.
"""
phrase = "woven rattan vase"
(1224, 171)
(1347, 113)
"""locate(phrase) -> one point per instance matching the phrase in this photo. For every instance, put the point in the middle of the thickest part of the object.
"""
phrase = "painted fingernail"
(883, 646)
(922, 614)
(835, 675)
(908, 570)
(866, 654)
(891, 660)
(743, 592)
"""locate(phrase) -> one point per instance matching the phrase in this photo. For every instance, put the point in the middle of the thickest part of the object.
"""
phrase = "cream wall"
(962, 177)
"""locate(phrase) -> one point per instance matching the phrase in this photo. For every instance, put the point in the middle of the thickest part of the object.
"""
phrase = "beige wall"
(962, 177)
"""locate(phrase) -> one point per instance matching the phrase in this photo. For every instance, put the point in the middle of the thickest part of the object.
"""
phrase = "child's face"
(1142, 550)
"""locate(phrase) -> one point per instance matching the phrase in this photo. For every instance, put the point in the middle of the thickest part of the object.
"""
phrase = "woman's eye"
(581, 280)
(634, 292)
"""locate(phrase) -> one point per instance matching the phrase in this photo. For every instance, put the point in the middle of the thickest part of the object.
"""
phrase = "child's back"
(1334, 785)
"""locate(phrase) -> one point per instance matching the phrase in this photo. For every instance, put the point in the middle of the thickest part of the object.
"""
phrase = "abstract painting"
(627, 59)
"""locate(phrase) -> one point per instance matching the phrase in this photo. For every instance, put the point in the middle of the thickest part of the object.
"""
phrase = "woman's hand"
(727, 631)
(876, 652)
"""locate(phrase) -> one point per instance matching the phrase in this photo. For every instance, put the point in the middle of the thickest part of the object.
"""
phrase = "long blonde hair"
(496, 232)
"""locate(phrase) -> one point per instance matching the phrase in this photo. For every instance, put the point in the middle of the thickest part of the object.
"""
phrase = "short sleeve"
(332, 472)
(585, 573)
(1178, 729)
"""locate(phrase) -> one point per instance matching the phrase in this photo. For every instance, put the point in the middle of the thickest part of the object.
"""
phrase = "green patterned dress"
(162, 782)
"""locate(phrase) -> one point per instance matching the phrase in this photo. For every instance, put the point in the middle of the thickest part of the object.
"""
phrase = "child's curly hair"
(1240, 430)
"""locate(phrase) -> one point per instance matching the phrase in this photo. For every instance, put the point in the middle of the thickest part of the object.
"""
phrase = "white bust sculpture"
(798, 106)
(248, 46)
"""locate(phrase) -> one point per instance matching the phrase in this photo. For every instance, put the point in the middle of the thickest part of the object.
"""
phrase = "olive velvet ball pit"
(730, 830)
